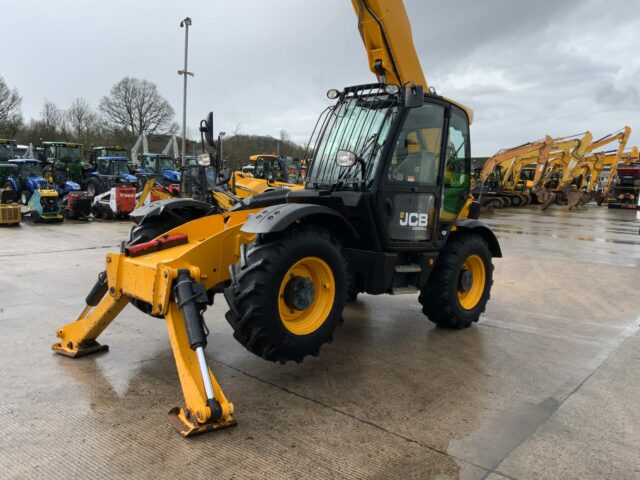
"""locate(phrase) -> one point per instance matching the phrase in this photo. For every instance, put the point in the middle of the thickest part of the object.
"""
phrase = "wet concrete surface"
(545, 386)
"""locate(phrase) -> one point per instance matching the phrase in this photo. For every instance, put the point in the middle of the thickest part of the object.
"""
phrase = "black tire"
(516, 201)
(439, 298)
(352, 295)
(253, 295)
(93, 188)
(25, 196)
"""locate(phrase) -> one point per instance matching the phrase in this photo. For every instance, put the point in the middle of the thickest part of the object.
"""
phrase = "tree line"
(131, 107)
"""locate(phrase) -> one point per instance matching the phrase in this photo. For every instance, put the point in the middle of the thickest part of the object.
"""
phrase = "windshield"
(166, 163)
(114, 152)
(69, 154)
(31, 170)
(7, 151)
(359, 125)
(292, 172)
(111, 167)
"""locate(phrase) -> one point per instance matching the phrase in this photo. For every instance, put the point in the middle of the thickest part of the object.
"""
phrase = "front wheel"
(459, 287)
(287, 294)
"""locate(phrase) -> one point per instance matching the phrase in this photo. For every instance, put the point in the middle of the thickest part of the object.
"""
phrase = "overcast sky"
(526, 68)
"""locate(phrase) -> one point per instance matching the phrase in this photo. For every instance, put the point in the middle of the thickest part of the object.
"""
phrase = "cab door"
(410, 190)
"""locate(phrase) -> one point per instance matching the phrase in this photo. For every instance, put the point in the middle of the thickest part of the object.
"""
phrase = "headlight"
(333, 94)
(392, 89)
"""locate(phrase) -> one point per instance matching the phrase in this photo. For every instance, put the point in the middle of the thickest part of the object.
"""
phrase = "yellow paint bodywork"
(386, 33)
(246, 185)
(10, 214)
(213, 245)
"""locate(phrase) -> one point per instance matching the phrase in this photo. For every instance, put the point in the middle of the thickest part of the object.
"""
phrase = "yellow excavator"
(386, 209)
(563, 179)
(619, 159)
(566, 153)
(267, 173)
(491, 178)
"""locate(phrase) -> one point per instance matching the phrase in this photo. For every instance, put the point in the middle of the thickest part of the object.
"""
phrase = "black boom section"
(279, 217)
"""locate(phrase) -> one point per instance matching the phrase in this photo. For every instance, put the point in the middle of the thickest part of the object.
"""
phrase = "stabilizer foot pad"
(86, 348)
(188, 426)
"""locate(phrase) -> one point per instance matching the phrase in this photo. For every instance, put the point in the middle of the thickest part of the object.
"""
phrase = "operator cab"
(399, 160)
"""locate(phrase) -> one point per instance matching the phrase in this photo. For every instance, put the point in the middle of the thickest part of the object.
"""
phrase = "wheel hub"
(466, 280)
(299, 293)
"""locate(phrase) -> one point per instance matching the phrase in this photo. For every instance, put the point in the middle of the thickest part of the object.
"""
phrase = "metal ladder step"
(404, 290)
(411, 268)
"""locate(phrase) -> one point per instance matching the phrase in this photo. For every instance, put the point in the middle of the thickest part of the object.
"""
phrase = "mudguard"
(172, 175)
(279, 217)
(482, 229)
(172, 207)
(14, 183)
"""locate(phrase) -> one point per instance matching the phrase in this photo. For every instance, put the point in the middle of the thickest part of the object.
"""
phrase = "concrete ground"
(545, 386)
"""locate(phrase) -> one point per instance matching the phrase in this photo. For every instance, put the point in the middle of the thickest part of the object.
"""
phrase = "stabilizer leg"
(79, 338)
(206, 407)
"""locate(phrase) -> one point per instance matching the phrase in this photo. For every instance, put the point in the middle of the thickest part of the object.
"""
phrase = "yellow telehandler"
(386, 208)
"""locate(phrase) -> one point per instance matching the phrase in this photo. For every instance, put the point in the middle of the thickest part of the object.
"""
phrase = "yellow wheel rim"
(470, 297)
(311, 318)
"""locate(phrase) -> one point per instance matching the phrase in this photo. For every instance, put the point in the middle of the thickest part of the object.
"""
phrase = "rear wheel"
(287, 294)
(92, 188)
(25, 196)
(459, 288)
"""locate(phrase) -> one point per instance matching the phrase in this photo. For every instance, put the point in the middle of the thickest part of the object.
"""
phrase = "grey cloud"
(526, 68)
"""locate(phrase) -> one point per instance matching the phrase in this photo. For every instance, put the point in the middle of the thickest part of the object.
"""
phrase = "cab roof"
(63, 144)
(20, 161)
(117, 147)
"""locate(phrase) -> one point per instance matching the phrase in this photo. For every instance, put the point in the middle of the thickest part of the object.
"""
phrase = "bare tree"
(136, 106)
(10, 114)
(51, 120)
(81, 119)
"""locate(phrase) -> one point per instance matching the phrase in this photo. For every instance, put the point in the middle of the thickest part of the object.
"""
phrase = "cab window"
(457, 171)
(416, 155)
(103, 168)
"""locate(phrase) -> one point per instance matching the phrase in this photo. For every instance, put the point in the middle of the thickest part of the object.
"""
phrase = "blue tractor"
(27, 177)
(159, 167)
(109, 172)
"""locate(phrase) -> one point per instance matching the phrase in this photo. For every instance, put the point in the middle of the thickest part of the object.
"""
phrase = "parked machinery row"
(564, 170)
(60, 184)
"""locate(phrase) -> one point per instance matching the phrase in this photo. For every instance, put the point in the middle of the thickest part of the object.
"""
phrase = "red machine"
(118, 202)
(77, 206)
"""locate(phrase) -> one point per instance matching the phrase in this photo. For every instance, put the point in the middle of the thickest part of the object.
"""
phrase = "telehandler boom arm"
(386, 33)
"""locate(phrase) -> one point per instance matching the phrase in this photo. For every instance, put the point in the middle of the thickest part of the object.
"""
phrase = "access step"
(411, 268)
(404, 290)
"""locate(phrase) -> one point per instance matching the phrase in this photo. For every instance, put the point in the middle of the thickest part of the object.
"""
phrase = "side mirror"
(206, 128)
(413, 96)
(345, 158)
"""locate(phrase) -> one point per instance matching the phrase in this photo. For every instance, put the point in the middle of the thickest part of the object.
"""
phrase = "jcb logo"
(415, 220)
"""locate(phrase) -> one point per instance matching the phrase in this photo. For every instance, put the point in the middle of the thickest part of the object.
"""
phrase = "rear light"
(162, 243)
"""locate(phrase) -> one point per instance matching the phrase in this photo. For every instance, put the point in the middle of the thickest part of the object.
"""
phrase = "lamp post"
(186, 23)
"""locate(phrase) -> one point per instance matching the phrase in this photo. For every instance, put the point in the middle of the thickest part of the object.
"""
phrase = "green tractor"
(7, 150)
(63, 161)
